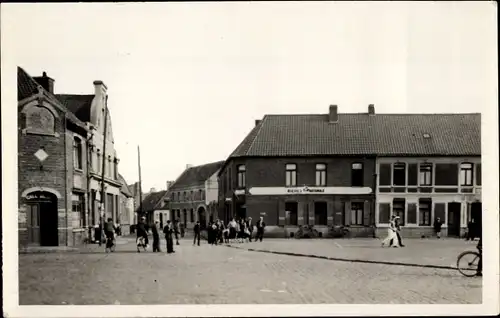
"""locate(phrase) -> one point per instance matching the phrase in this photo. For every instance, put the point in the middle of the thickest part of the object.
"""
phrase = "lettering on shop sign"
(306, 190)
(37, 196)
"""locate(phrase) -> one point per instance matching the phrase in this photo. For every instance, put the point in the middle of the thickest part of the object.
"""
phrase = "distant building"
(155, 206)
(193, 196)
(126, 218)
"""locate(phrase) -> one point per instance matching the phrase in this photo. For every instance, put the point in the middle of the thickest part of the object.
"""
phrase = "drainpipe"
(65, 180)
(89, 192)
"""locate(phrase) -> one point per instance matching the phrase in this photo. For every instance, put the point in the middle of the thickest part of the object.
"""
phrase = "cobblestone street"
(223, 275)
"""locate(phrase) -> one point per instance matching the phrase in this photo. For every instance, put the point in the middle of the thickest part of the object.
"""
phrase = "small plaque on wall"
(22, 217)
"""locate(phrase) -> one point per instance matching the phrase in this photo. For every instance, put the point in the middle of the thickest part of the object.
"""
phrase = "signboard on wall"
(308, 190)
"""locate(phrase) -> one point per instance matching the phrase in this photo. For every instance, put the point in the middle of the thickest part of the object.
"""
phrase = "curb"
(343, 259)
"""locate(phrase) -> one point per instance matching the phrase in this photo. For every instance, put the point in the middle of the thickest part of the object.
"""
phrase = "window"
(412, 174)
(99, 163)
(291, 175)
(399, 173)
(291, 212)
(184, 196)
(91, 158)
(77, 208)
(109, 206)
(424, 212)
(398, 209)
(191, 215)
(446, 174)
(192, 196)
(77, 153)
(466, 174)
(357, 175)
(357, 214)
(321, 174)
(426, 174)
(385, 174)
(384, 212)
(184, 216)
(241, 176)
(115, 170)
(202, 195)
(412, 213)
(478, 174)
(320, 213)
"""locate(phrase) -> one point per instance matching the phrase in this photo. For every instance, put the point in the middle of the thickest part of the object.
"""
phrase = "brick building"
(302, 169)
(322, 169)
(57, 162)
(193, 196)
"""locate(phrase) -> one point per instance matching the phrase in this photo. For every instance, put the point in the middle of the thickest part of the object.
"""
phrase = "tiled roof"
(26, 85)
(77, 104)
(124, 188)
(197, 175)
(150, 202)
(361, 134)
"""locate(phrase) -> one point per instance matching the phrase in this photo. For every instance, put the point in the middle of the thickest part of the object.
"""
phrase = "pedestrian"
(142, 231)
(110, 233)
(391, 234)
(196, 230)
(250, 228)
(471, 230)
(437, 227)
(260, 229)
(176, 231)
(214, 233)
(479, 271)
(397, 221)
(221, 232)
(232, 229)
(156, 237)
(182, 227)
(168, 231)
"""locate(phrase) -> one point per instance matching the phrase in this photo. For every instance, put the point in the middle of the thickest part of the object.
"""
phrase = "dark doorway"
(161, 220)
(454, 219)
(476, 213)
(291, 209)
(42, 219)
(320, 213)
(241, 212)
(202, 216)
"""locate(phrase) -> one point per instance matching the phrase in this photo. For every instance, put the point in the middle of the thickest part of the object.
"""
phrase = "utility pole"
(140, 182)
(103, 195)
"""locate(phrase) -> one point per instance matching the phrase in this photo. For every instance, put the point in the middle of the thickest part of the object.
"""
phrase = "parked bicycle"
(337, 231)
(468, 262)
(306, 231)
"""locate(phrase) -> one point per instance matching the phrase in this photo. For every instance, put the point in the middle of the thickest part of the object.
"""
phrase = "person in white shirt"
(391, 234)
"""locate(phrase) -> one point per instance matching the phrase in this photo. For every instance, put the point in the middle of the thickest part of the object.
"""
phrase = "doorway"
(291, 209)
(41, 218)
(202, 217)
(454, 219)
(476, 209)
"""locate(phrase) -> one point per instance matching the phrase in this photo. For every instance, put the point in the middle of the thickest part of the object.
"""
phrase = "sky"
(186, 81)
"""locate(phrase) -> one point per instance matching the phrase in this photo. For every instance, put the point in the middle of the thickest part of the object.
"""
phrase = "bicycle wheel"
(467, 263)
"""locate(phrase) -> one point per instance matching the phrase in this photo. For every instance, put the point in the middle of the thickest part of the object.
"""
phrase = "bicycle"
(466, 267)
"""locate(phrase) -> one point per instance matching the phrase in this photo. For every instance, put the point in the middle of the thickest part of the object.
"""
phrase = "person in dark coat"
(214, 230)
(437, 227)
(168, 231)
(260, 229)
(141, 230)
(471, 230)
(220, 233)
(156, 237)
(250, 228)
(197, 231)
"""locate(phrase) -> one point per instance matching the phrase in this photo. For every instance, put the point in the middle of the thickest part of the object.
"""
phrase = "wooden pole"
(103, 195)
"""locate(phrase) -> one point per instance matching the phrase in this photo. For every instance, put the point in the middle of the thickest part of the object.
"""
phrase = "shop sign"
(308, 190)
(37, 196)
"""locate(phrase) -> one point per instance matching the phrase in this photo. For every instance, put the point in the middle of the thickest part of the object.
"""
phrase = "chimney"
(371, 110)
(46, 82)
(257, 121)
(100, 89)
(333, 115)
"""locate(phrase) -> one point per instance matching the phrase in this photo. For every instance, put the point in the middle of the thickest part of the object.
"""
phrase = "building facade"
(155, 207)
(126, 216)
(330, 170)
(59, 150)
(193, 195)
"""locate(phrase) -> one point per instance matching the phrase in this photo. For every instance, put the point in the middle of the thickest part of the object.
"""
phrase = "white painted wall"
(211, 189)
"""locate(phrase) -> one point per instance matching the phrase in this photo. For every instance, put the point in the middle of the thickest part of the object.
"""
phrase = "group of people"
(240, 229)
(393, 238)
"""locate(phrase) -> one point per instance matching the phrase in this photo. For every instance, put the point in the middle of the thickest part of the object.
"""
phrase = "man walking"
(176, 231)
(196, 230)
(437, 227)
(156, 237)
(168, 237)
(260, 229)
(250, 228)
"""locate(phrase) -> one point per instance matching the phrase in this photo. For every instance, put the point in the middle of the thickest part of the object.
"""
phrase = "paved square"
(223, 275)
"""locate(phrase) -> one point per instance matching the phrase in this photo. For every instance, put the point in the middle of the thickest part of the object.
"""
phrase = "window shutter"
(300, 214)
(311, 213)
(330, 213)
(439, 212)
(347, 213)
(281, 213)
(367, 213)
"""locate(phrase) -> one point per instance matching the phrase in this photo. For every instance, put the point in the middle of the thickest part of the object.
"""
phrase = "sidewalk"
(417, 252)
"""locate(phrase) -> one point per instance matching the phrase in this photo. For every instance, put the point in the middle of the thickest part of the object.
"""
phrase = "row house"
(330, 169)
(57, 163)
(193, 196)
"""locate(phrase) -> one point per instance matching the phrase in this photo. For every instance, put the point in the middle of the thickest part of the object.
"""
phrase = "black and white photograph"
(191, 159)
